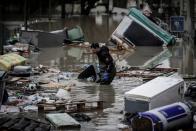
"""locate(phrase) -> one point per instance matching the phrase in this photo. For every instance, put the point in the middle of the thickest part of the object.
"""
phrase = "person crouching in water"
(107, 69)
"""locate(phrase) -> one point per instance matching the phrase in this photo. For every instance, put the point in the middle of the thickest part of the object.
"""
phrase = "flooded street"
(54, 76)
(74, 59)
(99, 29)
(70, 58)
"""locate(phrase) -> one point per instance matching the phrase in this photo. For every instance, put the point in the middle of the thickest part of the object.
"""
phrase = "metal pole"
(107, 6)
(72, 7)
(188, 48)
(49, 11)
(82, 4)
(138, 4)
(1, 38)
(192, 15)
(110, 5)
(192, 11)
(26, 14)
(1, 29)
(181, 7)
(40, 9)
(190, 18)
(63, 9)
(49, 15)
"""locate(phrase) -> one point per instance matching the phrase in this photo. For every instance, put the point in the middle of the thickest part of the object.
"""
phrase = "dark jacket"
(105, 59)
(106, 64)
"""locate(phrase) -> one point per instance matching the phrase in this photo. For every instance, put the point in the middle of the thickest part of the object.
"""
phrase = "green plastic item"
(75, 34)
(138, 16)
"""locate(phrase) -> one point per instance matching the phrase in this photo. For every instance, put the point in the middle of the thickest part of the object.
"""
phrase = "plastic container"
(171, 117)
(75, 34)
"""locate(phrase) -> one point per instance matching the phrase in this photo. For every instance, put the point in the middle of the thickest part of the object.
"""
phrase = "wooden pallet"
(146, 74)
(72, 107)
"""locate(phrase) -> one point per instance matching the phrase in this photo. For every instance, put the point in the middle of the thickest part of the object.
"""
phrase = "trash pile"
(20, 83)
(40, 89)
(191, 89)
(20, 46)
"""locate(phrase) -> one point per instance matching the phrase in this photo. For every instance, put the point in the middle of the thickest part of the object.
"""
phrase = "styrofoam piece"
(62, 120)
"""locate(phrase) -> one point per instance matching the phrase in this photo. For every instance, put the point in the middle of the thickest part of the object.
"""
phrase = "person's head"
(146, 10)
(95, 47)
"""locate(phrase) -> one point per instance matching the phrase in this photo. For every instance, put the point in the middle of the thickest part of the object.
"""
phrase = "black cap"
(94, 45)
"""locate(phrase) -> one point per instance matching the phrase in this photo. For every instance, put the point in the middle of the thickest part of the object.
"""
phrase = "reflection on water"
(183, 57)
(95, 30)
(188, 57)
(98, 29)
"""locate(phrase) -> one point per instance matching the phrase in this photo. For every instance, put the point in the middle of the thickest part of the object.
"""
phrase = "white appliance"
(158, 92)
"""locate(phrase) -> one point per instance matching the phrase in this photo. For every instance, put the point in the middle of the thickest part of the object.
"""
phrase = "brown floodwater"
(98, 29)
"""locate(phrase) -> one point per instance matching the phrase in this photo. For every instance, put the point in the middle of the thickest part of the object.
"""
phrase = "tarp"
(7, 61)
(137, 16)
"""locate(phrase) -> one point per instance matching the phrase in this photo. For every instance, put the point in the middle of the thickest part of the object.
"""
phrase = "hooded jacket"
(105, 59)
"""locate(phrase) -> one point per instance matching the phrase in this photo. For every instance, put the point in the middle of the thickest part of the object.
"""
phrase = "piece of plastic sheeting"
(7, 61)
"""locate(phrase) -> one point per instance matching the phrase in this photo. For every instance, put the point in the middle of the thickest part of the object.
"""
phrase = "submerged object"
(137, 29)
(87, 73)
(171, 117)
(75, 34)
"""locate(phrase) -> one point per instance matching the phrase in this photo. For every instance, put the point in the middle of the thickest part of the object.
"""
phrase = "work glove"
(106, 76)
